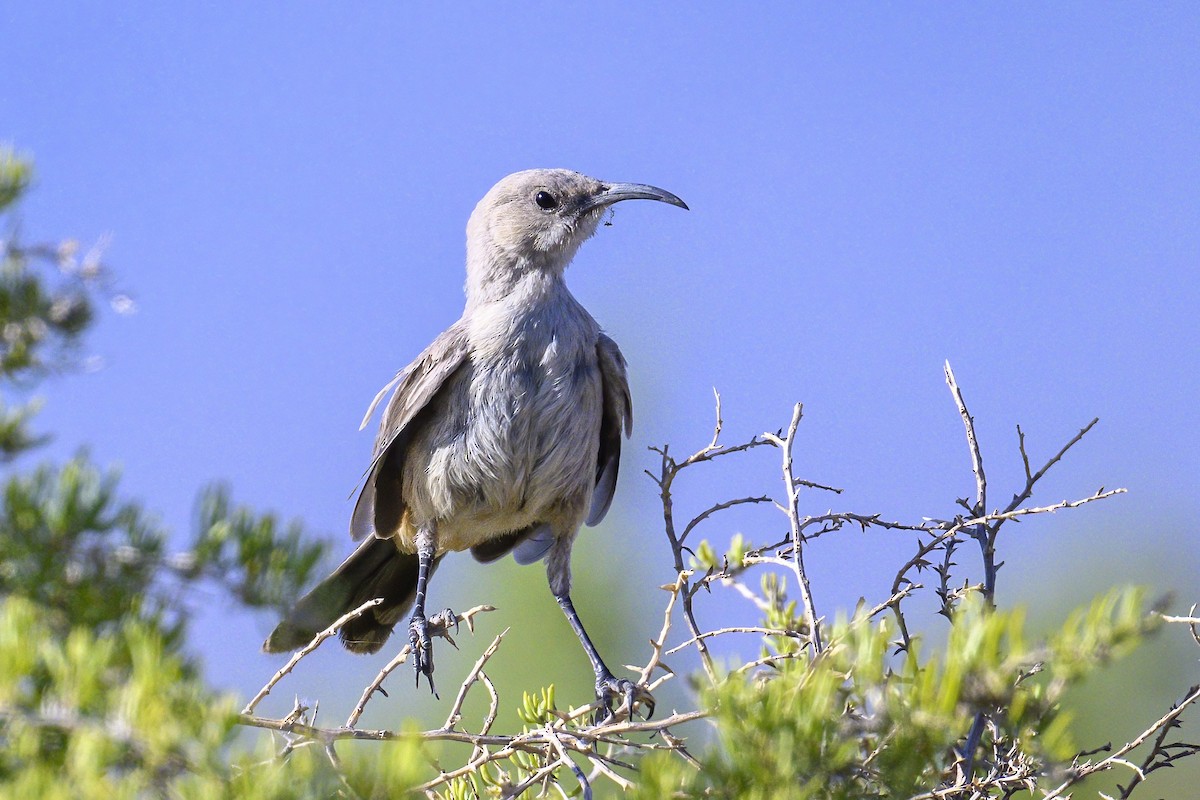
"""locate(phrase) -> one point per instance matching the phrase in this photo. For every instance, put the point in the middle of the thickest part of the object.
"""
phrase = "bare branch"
(972, 443)
(1085, 770)
(786, 444)
(719, 507)
(736, 629)
(455, 714)
(302, 652)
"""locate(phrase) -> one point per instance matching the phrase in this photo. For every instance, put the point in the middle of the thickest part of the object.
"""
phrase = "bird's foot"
(610, 689)
(421, 629)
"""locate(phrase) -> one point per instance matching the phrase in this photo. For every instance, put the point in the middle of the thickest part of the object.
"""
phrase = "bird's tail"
(375, 569)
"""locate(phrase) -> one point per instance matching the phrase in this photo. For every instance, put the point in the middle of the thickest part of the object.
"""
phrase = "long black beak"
(616, 192)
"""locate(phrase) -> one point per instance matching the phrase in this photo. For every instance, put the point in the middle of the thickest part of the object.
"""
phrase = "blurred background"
(874, 190)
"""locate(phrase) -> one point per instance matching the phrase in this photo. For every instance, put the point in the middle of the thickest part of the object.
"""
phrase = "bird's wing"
(415, 386)
(618, 415)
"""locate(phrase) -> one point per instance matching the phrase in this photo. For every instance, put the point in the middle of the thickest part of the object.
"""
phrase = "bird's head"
(537, 219)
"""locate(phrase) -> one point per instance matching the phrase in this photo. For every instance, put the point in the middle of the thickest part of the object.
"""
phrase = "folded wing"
(617, 419)
(415, 387)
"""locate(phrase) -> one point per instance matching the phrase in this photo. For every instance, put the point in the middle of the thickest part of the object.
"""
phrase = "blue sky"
(874, 189)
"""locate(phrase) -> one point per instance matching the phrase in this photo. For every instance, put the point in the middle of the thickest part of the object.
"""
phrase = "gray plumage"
(504, 434)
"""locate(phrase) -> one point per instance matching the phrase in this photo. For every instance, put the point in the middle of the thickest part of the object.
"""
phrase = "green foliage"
(15, 174)
(539, 708)
(71, 546)
(258, 560)
(118, 715)
(115, 714)
(97, 689)
(860, 722)
(43, 311)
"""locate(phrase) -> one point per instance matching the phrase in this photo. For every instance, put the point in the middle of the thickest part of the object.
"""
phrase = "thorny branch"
(669, 470)
(566, 739)
(792, 510)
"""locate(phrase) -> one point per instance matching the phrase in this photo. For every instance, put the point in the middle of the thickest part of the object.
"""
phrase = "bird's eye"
(545, 200)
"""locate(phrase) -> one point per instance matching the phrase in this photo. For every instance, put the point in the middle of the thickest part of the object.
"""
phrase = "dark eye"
(545, 200)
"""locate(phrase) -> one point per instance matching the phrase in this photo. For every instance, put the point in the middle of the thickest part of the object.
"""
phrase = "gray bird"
(504, 435)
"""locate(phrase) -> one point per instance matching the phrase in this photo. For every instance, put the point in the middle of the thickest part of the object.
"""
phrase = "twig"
(308, 648)
(565, 759)
(1192, 621)
(972, 443)
(719, 507)
(739, 629)
(669, 469)
(1085, 770)
(455, 714)
(785, 444)
(656, 645)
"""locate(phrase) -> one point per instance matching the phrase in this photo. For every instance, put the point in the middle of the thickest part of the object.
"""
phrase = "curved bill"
(616, 192)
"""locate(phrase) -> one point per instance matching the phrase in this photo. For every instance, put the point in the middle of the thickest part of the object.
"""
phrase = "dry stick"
(987, 545)
(534, 741)
(719, 507)
(308, 648)
(455, 714)
(624, 783)
(468, 768)
(972, 443)
(940, 532)
(745, 591)
(1031, 480)
(741, 629)
(986, 534)
(1147, 764)
(1193, 622)
(835, 520)
(535, 778)
(1118, 756)
(647, 726)
(771, 659)
(668, 470)
(656, 645)
(892, 601)
(793, 515)
(494, 707)
(565, 759)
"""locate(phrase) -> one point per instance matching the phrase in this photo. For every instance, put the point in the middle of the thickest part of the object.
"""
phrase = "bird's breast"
(538, 413)
(518, 445)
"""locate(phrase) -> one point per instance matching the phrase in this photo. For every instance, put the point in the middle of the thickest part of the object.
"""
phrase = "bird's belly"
(522, 452)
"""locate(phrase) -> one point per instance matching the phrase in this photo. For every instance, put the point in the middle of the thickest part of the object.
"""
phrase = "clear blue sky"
(873, 189)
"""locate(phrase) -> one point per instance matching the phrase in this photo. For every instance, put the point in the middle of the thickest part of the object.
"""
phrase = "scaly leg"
(608, 686)
(419, 625)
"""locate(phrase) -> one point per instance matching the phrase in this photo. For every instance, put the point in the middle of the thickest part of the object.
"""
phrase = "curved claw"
(421, 630)
(608, 688)
(441, 622)
(422, 650)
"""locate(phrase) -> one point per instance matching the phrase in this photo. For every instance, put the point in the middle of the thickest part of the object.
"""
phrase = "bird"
(503, 435)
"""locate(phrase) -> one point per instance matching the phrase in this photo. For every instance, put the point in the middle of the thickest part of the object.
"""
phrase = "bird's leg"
(419, 626)
(608, 686)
